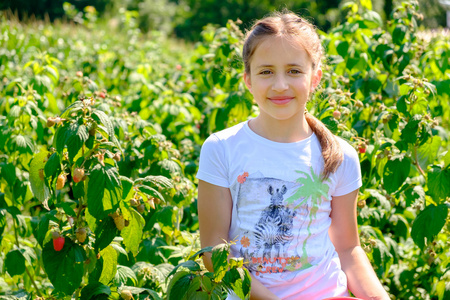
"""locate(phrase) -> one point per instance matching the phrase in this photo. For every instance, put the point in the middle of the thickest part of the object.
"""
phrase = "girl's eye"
(295, 71)
(265, 72)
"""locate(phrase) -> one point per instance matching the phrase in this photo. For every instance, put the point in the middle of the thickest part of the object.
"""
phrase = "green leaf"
(75, 137)
(103, 118)
(156, 181)
(105, 232)
(125, 276)
(399, 34)
(8, 172)
(189, 264)
(439, 183)
(109, 258)
(104, 191)
(23, 143)
(428, 152)
(40, 190)
(428, 224)
(447, 159)
(409, 133)
(220, 261)
(53, 165)
(132, 234)
(342, 48)
(15, 262)
(169, 167)
(367, 4)
(64, 268)
(395, 173)
(200, 252)
(94, 289)
(179, 285)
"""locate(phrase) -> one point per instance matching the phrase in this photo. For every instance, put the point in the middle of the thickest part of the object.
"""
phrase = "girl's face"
(281, 79)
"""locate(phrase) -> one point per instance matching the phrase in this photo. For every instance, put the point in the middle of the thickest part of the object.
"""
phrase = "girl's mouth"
(281, 100)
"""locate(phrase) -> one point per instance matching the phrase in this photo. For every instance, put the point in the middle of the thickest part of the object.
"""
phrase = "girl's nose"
(280, 84)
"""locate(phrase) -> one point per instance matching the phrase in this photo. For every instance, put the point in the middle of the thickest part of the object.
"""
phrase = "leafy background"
(121, 96)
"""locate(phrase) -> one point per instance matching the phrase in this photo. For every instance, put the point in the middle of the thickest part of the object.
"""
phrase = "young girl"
(281, 185)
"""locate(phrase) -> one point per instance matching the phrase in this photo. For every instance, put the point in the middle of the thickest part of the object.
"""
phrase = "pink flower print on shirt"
(245, 241)
(243, 177)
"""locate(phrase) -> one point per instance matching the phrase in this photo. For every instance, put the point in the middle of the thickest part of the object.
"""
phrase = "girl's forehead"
(279, 49)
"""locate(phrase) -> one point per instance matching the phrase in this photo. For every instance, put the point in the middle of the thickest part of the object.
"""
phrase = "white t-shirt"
(281, 209)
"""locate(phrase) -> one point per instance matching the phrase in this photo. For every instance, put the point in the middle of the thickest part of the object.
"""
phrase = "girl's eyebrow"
(288, 65)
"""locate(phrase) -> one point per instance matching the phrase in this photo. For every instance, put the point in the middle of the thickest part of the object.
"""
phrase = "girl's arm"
(214, 217)
(362, 280)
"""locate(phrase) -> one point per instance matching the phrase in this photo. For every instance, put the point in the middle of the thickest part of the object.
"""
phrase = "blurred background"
(186, 18)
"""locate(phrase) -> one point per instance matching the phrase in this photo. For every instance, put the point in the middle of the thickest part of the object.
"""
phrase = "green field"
(101, 130)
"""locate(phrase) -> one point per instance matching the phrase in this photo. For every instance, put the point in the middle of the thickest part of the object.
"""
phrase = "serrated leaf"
(101, 117)
(105, 232)
(169, 167)
(150, 191)
(124, 276)
(76, 106)
(395, 173)
(220, 261)
(189, 264)
(23, 143)
(94, 289)
(8, 172)
(53, 165)
(38, 186)
(428, 152)
(179, 285)
(439, 183)
(104, 190)
(132, 234)
(158, 181)
(200, 252)
(15, 262)
(64, 268)
(109, 257)
(428, 224)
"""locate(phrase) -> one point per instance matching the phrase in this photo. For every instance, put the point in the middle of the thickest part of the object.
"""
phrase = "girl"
(281, 185)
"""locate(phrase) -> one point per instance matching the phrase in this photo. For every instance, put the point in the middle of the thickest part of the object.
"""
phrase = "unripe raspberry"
(359, 104)
(120, 222)
(126, 295)
(337, 114)
(141, 208)
(78, 175)
(50, 121)
(116, 156)
(79, 74)
(55, 234)
(81, 234)
(61, 181)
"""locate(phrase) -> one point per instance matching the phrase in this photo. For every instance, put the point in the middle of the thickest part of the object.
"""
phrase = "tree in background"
(187, 18)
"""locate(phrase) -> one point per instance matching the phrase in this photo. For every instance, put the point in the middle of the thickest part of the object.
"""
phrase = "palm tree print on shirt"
(314, 189)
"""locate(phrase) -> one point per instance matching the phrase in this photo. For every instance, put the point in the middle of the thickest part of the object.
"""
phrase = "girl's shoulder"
(348, 150)
(227, 133)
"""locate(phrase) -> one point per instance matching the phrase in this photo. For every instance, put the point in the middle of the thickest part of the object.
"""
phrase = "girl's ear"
(316, 79)
(247, 81)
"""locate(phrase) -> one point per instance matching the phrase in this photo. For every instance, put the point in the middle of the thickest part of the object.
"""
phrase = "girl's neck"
(281, 131)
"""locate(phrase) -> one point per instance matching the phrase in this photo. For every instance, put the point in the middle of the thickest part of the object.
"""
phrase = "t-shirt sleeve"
(349, 173)
(213, 163)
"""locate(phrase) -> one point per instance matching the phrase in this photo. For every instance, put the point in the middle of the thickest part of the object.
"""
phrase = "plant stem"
(26, 269)
(416, 162)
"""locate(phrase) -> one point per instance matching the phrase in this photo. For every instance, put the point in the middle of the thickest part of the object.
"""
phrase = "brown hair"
(299, 30)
